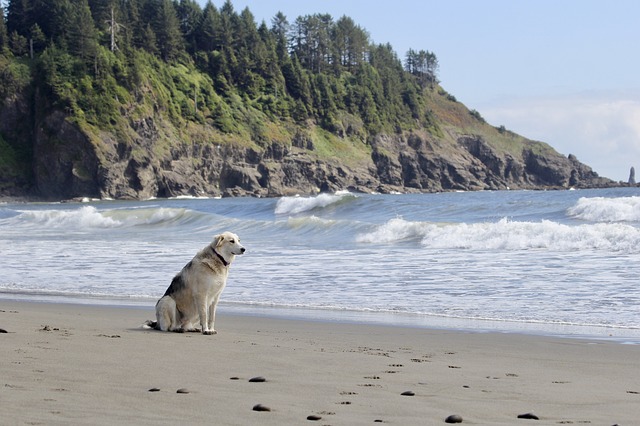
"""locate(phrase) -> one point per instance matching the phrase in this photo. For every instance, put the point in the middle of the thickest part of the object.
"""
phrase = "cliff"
(48, 151)
(158, 160)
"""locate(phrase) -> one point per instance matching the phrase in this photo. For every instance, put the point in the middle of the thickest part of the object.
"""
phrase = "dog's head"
(228, 245)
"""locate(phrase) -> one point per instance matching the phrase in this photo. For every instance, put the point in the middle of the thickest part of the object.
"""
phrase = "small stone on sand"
(408, 393)
(529, 416)
(2, 330)
(258, 379)
(313, 417)
(154, 390)
(182, 390)
(454, 418)
(260, 407)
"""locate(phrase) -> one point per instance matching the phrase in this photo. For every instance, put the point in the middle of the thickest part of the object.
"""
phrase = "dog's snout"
(242, 250)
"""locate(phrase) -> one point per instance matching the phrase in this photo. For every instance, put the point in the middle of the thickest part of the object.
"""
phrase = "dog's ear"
(217, 240)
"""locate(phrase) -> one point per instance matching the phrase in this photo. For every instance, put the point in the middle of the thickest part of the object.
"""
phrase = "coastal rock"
(632, 176)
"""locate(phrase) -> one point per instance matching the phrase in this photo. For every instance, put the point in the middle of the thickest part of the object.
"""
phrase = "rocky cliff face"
(69, 163)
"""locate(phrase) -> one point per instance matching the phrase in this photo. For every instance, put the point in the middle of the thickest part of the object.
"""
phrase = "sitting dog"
(195, 291)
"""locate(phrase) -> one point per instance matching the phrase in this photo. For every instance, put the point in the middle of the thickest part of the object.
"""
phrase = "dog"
(194, 292)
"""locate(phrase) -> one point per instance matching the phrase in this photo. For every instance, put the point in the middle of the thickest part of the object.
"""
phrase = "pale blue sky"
(566, 72)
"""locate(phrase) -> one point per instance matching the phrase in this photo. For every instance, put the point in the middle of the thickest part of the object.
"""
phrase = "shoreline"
(629, 336)
(73, 364)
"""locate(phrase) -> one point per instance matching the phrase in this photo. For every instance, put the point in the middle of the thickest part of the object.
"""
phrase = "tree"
(83, 39)
(4, 38)
(350, 41)
(189, 16)
(280, 28)
(207, 34)
(167, 29)
(423, 65)
(17, 17)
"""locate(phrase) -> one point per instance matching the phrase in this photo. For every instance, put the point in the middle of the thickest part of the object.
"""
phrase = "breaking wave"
(508, 235)
(89, 217)
(296, 205)
(601, 209)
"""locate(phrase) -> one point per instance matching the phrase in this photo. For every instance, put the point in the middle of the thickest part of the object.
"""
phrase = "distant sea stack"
(632, 176)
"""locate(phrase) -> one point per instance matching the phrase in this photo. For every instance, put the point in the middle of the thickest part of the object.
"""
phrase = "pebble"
(408, 393)
(234, 378)
(154, 390)
(529, 416)
(2, 330)
(182, 390)
(454, 418)
(258, 379)
(313, 417)
(260, 407)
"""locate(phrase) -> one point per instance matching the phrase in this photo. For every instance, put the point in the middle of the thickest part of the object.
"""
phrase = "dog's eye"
(232, 241)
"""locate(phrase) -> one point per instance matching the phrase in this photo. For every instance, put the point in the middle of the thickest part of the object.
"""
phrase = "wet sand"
(76, 364)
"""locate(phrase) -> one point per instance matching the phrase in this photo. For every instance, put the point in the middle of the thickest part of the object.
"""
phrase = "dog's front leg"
(203, 310)
(212, 316)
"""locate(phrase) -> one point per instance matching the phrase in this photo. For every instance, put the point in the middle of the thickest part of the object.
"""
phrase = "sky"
(565, 72)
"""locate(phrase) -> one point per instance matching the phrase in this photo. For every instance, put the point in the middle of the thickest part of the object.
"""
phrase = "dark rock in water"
(154, 390)
(182, 390)
(529, 416)
(408, 393)
(454, 418)
(258, 379)
(632, 176)
(260, 407)
(313, 417)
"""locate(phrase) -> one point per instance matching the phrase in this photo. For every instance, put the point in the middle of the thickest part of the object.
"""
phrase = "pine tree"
(190, 16)
(17, 17)
(83, 40)
(207, 35)
(167, 29)
(4, 38)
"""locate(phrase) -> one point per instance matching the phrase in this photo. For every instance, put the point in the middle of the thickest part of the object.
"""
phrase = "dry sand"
(74, 364)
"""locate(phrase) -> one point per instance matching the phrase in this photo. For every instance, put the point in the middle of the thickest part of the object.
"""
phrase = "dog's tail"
(153, 325)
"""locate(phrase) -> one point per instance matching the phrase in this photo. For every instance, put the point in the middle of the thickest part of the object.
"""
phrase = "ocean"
(563, 263)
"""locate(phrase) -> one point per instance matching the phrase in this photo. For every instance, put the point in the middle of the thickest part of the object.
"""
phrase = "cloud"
(601, 129)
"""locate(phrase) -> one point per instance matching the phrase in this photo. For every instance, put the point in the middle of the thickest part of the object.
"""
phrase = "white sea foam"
(84, 217)
(89, 217)
(509, 235)
(295, 205)
(601, 209)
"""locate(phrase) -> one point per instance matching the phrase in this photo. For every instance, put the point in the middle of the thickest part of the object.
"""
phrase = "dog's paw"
(209, 332)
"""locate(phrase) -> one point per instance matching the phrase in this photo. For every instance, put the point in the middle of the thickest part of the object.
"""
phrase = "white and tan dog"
(194, 292)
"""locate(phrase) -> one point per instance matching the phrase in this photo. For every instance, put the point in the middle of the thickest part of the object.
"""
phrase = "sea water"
(543, 262)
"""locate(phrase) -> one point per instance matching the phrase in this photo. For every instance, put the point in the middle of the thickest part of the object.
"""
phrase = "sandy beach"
(76, 364)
